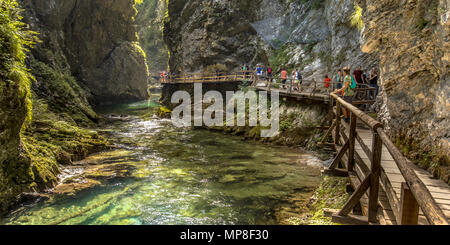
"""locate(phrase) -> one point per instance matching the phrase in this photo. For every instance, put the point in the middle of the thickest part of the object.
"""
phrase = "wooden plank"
(391, 194)
(409, 208)
(339, 156)
(432, 211)
(338, 124)
(377, 146)
(356, 197)
(363, 146)
(351, 146)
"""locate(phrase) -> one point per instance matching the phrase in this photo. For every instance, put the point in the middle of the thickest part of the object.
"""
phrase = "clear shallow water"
(179, 176)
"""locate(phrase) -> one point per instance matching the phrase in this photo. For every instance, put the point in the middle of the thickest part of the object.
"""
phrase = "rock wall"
(15, 172)
(96, 41)
(206, 33)
(411, 39)
(150, 24)
(315, 36)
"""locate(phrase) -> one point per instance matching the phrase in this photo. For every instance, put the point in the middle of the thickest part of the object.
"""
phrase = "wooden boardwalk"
(389, 189)
(405, 194)
(391, 181)
(325, 98)
(314, 94)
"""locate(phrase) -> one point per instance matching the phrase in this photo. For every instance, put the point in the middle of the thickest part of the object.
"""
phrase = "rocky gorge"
(80, 51)
(67, 58)
(406, 41)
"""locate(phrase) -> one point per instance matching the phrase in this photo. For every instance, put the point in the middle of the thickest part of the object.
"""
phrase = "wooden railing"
(419, 196)
(208, 77)
(364, 93)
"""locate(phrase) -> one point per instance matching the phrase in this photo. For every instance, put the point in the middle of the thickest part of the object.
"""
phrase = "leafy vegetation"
(356, 19)
(150, 23)
(15, 42)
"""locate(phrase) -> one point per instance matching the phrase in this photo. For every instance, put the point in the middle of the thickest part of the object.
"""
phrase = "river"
(162, 175)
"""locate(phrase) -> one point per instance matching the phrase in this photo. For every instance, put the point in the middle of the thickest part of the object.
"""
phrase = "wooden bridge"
(389, 189)
(265, 83)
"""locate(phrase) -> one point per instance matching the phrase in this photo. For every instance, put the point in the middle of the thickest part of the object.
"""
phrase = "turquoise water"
(162, 175)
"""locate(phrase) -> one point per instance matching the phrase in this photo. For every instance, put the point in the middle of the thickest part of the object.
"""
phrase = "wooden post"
(356, 197)
(377, 146)
(352, 139)
(338, 123)
(409, 208)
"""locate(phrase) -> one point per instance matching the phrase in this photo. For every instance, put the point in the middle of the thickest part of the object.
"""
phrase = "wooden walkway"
(325, 98)
(313, 94)
(389, 189)
(405, 194)
(391, 181)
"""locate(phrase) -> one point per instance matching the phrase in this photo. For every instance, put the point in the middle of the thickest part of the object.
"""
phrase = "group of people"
(347, 83)
(261, 71)
(296, 79)
(358, 77)
(164, 76)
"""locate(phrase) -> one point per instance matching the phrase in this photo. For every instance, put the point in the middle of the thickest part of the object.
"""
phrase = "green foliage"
(280, 57)
(150, 30)
(356, 18)
(15, 42)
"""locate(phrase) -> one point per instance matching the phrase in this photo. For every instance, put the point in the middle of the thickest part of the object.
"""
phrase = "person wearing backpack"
(348, 91)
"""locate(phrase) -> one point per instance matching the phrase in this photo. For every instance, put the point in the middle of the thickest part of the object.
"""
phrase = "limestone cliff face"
(96, 40)
(205, 33)
(149, 20)
(313, 36)
(411, 39)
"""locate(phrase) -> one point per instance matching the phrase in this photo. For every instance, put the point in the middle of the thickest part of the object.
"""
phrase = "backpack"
(353, 86)
(299, 76)
(269, 70)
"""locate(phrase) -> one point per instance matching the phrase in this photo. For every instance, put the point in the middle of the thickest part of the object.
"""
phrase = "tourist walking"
(269, 73)
(259, 72)
(294, 80)
(327, 82)
(284, 74)
(347, 91)
(299, 80)
(373, 80)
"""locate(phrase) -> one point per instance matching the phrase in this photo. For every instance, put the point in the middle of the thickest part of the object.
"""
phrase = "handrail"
(426, 202)
(366, 119)
(432, 211)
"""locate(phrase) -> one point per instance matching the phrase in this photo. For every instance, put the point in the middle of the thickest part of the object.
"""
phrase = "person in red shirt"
(284, 74)
(327, 82)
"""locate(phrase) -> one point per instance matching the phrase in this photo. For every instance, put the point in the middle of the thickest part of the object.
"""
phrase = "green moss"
(15, 103)
(331, 194)
(62, 93)
(425, 156)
